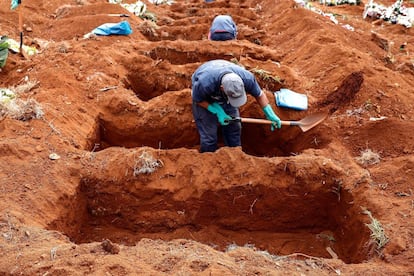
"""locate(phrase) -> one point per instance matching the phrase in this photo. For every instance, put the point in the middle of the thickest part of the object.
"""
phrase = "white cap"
(233, 87)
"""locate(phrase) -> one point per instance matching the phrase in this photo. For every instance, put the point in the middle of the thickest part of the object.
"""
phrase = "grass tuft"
(146, 164)
(378, 236)
(368, 157)
(11, 105)
(265, 75)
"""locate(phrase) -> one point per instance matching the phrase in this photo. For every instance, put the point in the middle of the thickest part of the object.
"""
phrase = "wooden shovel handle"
(267, 122)
(21, 27)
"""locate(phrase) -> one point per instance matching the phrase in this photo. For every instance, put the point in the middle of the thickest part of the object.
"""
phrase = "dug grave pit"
(166, 122)
(279, 205)
(161, 82)
(257, 140)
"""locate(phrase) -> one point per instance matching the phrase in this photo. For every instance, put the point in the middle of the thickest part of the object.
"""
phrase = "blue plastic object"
(290, 99)
(121, 28)
(14, 4)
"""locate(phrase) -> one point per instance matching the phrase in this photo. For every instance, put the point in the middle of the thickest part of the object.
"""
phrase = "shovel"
(118, 15)
(305, 124)
(21, 50)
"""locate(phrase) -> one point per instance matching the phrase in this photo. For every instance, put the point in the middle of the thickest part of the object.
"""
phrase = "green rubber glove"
(271, 116)
(222, 116)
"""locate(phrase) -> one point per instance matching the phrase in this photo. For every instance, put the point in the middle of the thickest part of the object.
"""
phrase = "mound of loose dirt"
(103, 174)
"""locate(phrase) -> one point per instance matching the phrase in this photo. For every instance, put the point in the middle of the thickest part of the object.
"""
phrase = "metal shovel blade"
(309, 121)
(305, 124)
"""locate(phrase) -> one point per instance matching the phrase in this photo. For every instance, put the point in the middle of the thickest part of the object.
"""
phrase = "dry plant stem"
(50, 124)
(146, 164)
(378, 235)
(9, 223)
(368, 157)
(309, 257)
(251, 206)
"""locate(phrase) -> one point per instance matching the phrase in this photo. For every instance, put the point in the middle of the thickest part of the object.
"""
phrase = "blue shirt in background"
(223, 23)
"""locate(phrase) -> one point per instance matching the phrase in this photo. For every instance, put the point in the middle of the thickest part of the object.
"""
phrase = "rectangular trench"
(279, 221)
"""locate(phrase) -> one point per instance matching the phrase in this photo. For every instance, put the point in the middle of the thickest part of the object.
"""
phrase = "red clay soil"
(108, 180)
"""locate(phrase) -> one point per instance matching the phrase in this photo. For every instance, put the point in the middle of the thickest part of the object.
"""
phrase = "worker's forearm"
(262, 100)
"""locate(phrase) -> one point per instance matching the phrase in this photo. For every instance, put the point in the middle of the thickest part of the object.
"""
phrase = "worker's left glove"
(271, 116)
(222, 116)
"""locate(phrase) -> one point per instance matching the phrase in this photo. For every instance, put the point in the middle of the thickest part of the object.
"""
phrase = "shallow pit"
(153, 78)
(257, 140)
(278, 220)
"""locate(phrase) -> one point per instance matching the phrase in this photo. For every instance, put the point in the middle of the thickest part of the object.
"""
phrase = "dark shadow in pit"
(281, 221)
(150, 78)
(345, 93)
(155, 77)
(257, 140)
(189, 32)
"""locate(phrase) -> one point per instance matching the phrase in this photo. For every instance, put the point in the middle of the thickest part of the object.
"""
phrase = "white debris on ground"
(138, 8)
(397, 13)
(160, 2)
(305, 4)
(339, 2)
(6, 95)
(14, 46)
(14, 107)
(19, 109)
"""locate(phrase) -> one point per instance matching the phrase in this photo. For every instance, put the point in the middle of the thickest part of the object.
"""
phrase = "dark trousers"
(207, 126)
(222, 36)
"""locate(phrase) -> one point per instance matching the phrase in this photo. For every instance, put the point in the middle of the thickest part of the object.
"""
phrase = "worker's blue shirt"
(206, 81)
(223, 23)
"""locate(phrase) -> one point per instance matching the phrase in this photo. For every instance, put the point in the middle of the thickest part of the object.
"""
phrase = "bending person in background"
(223, 28)
(218, 90)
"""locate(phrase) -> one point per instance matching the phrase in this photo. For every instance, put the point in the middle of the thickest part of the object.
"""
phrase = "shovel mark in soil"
(345, 93)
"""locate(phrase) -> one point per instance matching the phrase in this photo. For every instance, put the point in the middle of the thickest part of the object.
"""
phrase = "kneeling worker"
(223, 28)
(218, 90)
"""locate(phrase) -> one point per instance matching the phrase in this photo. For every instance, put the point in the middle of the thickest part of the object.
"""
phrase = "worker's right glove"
(270, 115)
(222, 116)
